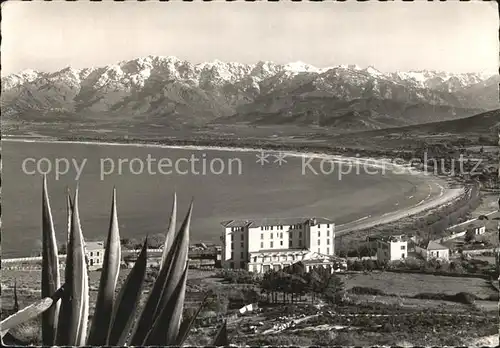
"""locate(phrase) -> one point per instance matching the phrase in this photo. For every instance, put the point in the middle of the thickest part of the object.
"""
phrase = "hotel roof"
(435, 246)
(280, 250)
(274, 222)
(94, 246)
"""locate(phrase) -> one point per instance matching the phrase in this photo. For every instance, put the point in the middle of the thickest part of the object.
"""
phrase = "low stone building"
(432, 250)
(263, 261)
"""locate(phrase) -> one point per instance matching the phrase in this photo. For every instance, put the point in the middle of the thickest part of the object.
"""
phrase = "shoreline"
(286, 149)
(311, 151)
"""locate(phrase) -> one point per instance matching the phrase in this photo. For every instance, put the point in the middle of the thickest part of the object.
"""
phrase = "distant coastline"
(308, 150)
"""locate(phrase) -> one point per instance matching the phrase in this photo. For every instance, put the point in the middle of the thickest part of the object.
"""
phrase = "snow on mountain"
(167, 86)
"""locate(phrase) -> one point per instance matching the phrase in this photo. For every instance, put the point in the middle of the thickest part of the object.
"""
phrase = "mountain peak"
(168, 87)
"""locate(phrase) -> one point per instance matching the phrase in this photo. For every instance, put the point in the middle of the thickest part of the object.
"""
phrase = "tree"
(334, 290)
(156, 240)
(469, 236)
(62, 249)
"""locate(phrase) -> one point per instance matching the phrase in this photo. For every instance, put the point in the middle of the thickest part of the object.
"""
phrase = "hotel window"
(271, 244)
(261, 244)
(300, 234)
(281, 235)
(319, 233)
(271, 228)
(319, 225)
(91, 253)
(97, 253)
(242, 244)
(328, 233)
(290, 242)
(232, 245)
(242, 236)
(328, 250)
(281, 242)
(290, 234)
(261, 236)
(300, 242)
(271, 236)
(328, 241)
(403, 247)
(261, 228)
(231, 265)
(275, 258)
(242, 255)
(319, 250)
(327, 225)
(255, 259)
(319, 241)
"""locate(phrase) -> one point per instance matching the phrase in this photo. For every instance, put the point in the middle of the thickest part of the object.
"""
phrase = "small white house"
(477, 228)
(392, 248)
(94, 251)
(433, 250)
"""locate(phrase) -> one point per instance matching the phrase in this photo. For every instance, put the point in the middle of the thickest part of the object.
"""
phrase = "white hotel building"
(264, 244)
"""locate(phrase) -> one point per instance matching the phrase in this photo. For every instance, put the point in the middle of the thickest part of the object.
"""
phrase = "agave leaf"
(128, 301)
(221, 338)
(149, 312)
(76, 279)
(50, 269)
(10, 340)
(176, 261)
(165, 329)
(107, 286)
(30, 312)
(69, 209)
(170, 235)
(16, 302)
(188, 323)
(65, 310)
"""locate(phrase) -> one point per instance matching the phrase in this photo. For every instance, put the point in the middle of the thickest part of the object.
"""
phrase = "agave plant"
(65, 309)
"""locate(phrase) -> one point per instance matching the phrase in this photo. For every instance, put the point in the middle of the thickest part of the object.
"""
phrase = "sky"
(449, 36)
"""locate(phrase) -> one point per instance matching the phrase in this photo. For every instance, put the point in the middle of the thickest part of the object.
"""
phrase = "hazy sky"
(450, 36)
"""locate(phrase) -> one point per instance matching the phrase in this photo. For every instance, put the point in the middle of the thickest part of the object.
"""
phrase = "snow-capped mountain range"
(170, 90)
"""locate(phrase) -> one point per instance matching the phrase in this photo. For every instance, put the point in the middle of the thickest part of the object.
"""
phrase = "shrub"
(362, 290)
(238, 276)
(461, 297)
(368, 265)
(358, 266)
(281, 340)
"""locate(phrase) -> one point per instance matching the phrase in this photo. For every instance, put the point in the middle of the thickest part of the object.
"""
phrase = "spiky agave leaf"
(50, 269)
(187, 324)
(109, 276)
(148, 314)
(170, 235)
(30, 312)
(16, 302)
(176, 261)
(65, 309)
(221, 338)
(74, 313)
(128, 300)
(69, 210)
(165, 329)
(84, 315)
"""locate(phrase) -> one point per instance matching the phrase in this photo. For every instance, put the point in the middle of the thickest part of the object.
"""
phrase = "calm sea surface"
(245, 189)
